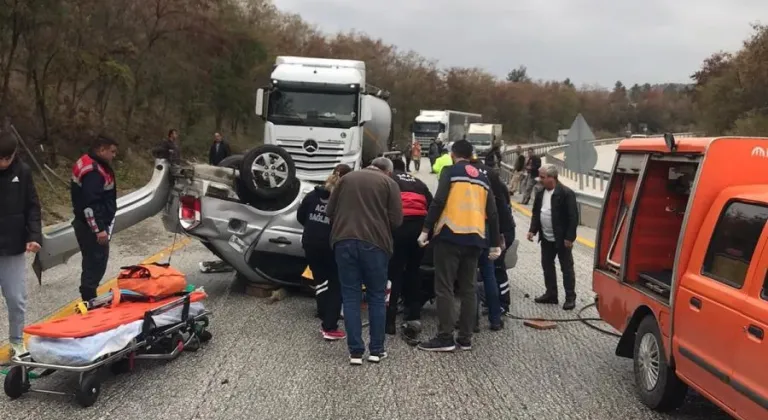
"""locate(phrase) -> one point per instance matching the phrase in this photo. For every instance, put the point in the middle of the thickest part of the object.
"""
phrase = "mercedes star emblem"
(311, 146)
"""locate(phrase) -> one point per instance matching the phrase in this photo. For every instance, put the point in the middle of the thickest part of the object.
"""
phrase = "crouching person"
(316, 241)
(20, 232)
(406, 257)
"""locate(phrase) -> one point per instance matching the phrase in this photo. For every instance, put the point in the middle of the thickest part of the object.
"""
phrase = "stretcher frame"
(17, 381)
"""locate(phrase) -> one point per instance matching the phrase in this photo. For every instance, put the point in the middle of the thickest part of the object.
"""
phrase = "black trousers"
(550, 251)
(407, 163)
(95, 258)
(322, 262)
(404, 271)
(501, 272)
(417, 164)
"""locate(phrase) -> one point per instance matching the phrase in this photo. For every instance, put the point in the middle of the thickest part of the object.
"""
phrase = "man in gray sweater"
(364, 208)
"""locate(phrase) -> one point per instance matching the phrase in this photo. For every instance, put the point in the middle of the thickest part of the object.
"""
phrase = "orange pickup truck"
(680, 269)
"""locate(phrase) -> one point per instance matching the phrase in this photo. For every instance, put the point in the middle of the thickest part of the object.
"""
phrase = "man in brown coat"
(364, 208)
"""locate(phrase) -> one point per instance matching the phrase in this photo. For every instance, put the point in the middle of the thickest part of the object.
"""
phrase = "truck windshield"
(426, 128)
(311, 108)
(479, 139)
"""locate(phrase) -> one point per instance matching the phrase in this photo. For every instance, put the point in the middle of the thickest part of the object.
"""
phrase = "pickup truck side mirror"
(262, 98)
(366, 114)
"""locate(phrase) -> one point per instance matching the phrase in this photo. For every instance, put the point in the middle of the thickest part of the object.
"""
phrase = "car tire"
(657, 384)
(268, 171)
(233, 162)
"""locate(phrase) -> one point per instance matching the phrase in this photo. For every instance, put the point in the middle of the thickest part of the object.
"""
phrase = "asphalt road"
(267, 361)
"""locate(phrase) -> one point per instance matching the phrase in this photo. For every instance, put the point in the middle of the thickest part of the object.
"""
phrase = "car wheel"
(233, 162)
(268, 171)
(656, 382)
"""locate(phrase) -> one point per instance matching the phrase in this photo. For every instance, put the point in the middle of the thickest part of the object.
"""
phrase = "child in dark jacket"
(20, 232)
(316, 241)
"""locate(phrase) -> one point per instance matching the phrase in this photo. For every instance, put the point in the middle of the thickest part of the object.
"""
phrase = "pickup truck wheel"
(657, 384)
(268, 171)
(234, 162)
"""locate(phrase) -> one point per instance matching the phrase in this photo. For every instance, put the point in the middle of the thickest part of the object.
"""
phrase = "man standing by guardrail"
(555, 217)
(532, 165)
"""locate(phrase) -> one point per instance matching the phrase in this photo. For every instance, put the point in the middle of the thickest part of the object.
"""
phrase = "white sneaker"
(18, 350)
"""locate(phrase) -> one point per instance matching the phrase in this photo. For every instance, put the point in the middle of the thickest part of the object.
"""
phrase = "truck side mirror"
(261, 99)
(366, 114)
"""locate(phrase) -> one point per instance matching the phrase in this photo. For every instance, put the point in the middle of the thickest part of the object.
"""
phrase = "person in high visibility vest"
(464, 222)
(442, 162)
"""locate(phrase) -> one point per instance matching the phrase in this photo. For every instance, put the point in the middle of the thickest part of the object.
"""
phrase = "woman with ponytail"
(316, 241)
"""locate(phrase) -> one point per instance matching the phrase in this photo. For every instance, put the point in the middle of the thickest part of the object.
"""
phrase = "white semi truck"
(322, 112)
(482, 136)
(446, 126)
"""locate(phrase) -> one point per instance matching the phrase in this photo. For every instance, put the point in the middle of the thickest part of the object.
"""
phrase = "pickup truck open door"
(59, 242)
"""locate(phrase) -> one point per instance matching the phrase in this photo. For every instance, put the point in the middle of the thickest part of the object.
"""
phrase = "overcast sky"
(589, 41)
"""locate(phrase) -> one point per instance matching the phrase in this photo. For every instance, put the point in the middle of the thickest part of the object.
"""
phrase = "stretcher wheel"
(15, 383)
(88, 391)
(205, 336)
(120, 367)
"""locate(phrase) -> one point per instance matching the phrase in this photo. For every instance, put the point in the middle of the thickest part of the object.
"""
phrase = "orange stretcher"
(101, 319)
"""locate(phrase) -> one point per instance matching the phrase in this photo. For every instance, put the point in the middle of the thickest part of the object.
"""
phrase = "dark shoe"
(498, 327)
(410, 331)
(546, 299)
(570, 304)
(464, 344)
(439, 344)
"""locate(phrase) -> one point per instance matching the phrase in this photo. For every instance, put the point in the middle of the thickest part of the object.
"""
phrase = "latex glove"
(423, 239)
(494, 253)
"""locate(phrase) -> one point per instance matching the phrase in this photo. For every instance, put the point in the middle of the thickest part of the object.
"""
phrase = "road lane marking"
(69, 308)
(519, 207)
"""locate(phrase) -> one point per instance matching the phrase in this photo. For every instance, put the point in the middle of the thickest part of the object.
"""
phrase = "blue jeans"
(361, 263)
(488, 276)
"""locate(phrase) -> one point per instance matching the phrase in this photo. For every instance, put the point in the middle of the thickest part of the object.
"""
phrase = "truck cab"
(680, 269)
(323, 113)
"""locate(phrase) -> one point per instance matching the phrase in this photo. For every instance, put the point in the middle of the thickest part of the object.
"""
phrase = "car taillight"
(189, 212)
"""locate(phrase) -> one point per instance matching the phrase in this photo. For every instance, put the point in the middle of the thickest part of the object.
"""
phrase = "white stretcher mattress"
(86, 350)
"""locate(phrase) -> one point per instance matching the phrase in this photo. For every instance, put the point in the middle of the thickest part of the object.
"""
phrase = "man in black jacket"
(169, 148)
(20, 232)
(407, 254)
(94, 202)
(555, 217)
(219, 150)
(494, 273)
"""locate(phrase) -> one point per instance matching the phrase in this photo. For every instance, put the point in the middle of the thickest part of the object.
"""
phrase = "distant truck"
(322, 112)
(680, 267)
(482, 136)
(446, 126)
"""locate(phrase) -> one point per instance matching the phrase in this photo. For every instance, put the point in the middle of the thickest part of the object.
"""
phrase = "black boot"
(391, 328)
(546, 298)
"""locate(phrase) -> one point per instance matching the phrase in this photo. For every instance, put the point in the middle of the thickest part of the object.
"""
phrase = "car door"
(707, 312)
(751, 357)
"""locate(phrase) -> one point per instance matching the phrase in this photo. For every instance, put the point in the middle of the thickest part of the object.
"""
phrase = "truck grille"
(325, 159)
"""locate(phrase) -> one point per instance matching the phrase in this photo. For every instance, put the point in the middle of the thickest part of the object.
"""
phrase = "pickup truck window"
(733, 243)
